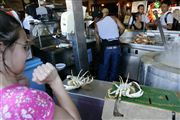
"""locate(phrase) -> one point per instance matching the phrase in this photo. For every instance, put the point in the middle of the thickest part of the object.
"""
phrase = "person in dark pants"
(108, 30)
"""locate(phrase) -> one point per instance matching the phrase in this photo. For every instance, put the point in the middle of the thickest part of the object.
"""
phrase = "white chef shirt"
(108, 28)
(169, 19)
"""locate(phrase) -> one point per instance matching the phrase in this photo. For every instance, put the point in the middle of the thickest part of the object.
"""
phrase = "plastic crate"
(31, 64)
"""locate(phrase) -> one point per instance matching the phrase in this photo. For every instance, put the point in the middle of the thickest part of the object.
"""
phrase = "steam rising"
(171, 56)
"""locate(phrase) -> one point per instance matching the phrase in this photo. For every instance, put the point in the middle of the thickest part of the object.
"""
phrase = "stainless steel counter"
(156, 47)
(131, 53)
(90, 100)
(96, 90)
(90, 103)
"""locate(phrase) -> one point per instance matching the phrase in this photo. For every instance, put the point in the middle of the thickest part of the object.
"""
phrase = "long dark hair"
(9, 33)
(136, 15)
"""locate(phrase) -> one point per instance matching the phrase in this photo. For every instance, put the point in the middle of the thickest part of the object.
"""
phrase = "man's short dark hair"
(141, 5)
(167, 2)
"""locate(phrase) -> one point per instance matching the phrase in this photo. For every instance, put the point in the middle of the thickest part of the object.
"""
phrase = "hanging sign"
(136, 4)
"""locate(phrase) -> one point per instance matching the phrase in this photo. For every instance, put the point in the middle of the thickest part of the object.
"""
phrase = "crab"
(75, 82)
(131, 90)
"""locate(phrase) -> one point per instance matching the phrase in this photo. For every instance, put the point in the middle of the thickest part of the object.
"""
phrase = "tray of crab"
(148, 96)
(81, 80)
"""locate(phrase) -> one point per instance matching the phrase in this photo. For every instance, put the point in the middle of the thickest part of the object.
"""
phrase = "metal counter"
(90, 103)
(97, 89)
(90, 100)
(130, 57)
(131, 53)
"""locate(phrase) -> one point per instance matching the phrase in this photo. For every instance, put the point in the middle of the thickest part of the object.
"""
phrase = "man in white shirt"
(145, 19)
(108, 30)
(28, 19)
(166, 18)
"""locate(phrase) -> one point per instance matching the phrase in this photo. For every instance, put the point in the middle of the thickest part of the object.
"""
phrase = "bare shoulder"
(114, 17)
(61, 114)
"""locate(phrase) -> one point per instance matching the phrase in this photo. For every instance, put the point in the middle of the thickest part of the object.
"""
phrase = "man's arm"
(168, 26)
(130, 22)
(97, 38)
(169, 22)
(120, 25)
(146, 21)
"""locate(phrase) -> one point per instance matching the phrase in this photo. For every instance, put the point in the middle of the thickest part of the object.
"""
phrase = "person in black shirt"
(31, 8)
(138, 24)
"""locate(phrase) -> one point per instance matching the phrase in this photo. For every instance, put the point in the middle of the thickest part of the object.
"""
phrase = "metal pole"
(39, 36)
(78, 39)
(160, 28)
(144, 26)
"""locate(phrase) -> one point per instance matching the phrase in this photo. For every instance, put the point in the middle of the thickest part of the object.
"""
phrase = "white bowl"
(60, 66)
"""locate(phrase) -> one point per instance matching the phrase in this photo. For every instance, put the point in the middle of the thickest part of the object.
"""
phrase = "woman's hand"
(45, 73)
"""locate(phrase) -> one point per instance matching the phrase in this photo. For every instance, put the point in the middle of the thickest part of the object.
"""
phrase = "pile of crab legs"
(131, 90)
(75, 82)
